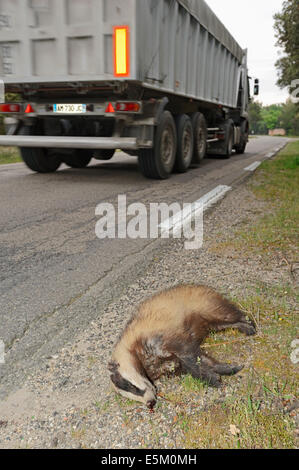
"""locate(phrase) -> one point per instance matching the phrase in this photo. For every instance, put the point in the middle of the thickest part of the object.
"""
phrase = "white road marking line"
(182, 217)
(275, 151)
(213, 196)
(253, 167)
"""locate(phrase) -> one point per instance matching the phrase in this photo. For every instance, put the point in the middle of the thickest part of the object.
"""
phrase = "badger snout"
(151, 403)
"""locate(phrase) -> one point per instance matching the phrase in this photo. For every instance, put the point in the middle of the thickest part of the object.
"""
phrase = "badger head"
(131, 382)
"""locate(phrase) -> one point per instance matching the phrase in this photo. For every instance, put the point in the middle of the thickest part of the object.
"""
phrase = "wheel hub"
(167, 146)
(187, 144)
(201, 142)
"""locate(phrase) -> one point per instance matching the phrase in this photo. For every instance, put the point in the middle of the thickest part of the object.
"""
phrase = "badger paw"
(214, 381)
(247, 328)
(227, 369)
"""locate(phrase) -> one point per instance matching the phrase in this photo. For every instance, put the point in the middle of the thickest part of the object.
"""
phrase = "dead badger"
(165, 336)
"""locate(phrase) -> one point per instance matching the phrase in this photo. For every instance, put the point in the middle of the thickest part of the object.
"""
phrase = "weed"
(9, 155)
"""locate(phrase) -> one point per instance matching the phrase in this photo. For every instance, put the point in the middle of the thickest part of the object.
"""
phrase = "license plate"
(70, 108)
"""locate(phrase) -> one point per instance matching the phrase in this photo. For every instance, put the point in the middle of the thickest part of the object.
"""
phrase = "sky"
(251, 23)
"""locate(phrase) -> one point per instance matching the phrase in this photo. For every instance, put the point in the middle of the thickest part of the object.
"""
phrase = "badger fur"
(165, 336)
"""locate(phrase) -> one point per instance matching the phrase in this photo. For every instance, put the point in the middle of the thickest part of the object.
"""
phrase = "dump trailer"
(162, 80)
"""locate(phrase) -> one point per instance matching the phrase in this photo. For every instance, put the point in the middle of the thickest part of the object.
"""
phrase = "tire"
(104, 154)
(200, 132)
(240, 149)
(185, 140)
(78, 158)
(229, 140)
(40, 160)
(158, 162)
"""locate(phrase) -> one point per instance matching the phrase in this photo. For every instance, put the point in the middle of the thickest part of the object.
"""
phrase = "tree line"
(276, 116)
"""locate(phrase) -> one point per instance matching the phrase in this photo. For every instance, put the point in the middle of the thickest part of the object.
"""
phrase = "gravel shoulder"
(69, 403)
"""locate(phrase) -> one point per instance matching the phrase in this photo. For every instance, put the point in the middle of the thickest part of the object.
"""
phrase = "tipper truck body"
(162, 80)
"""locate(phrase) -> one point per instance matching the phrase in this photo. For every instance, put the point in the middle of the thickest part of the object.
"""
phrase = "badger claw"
(247, 328)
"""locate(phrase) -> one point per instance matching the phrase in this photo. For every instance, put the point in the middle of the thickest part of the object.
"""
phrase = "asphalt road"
(55, 274)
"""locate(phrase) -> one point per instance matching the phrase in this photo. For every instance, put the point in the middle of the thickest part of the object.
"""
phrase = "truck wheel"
(78, 158)
(185, 139)
(104, 154)
(158, 162)
(200, 137)
(40, 160)
(229, 139)
(240, 149)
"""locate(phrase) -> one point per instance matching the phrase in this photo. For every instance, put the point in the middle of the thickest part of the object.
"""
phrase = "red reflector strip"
(10, 108)
(126, 107)
(121, 48)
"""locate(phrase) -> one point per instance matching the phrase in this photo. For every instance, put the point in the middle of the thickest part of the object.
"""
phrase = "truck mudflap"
(124, 143)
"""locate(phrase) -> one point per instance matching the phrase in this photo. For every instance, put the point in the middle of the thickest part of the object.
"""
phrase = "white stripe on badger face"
(137, 380)
(125, 369)
(145, 399)
(140, 382)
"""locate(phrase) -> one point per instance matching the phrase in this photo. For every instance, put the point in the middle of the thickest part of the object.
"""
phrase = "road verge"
(248, 255)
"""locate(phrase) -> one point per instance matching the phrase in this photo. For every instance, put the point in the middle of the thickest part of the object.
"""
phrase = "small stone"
(54, 442)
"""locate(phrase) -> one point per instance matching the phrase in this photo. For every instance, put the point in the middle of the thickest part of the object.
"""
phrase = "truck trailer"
(162, 80)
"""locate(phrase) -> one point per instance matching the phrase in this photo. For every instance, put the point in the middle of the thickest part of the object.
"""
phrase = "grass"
(9, 155)
(254, 429)
(277, 184)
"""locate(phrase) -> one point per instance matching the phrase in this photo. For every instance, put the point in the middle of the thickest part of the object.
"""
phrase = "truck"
(162, 80)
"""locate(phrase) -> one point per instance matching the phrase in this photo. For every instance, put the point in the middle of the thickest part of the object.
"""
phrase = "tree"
(255, 116)
(287, 32)
(271, 115)
(289, 118)
(263, 118)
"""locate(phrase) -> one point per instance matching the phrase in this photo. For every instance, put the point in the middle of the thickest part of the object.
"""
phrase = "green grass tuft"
(9, 155)
(276, 183)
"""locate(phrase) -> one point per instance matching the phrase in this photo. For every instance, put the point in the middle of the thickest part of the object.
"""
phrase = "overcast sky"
(251, 23)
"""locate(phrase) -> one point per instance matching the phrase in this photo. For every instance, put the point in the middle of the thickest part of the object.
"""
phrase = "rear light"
(121, 42)
(128, 107)
(10, 108)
